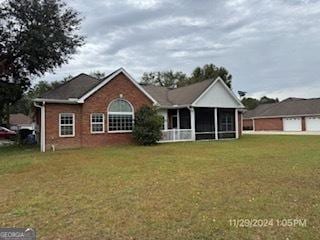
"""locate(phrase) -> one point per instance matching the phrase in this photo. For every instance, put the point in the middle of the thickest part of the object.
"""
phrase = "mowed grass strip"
(169, 191)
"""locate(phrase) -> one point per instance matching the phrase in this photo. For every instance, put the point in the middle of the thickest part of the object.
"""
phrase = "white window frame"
(97, 123)
(120, 113)
(73, 125)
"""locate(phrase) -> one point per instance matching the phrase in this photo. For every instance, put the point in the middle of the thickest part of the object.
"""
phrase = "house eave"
(283, 116)
(194, 106)
(67, 101)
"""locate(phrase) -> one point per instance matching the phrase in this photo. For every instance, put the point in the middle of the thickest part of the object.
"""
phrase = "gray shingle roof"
(19, 118)
(83, 83)
(178, 96)
(288, 107)
(74, 88)
(160, 94)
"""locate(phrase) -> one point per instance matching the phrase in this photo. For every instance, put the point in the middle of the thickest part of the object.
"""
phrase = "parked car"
(6, 133)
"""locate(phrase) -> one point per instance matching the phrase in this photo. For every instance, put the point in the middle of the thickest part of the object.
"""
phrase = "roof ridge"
(112, 73)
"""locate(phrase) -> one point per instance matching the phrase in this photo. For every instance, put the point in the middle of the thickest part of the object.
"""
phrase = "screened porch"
(189, 124)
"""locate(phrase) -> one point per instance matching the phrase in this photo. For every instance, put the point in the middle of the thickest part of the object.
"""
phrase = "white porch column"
(193, 124)
(253, 125)
(43, 128)
(236, 123)
(164, 113)
(178, 118)
(216, 123)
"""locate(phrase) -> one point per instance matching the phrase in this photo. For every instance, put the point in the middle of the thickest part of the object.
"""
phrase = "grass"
(169, 191)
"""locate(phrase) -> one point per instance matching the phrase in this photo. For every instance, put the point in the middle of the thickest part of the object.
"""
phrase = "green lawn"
(169, 191)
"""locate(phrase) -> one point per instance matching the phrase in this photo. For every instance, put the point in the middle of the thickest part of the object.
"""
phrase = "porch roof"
(178, 96)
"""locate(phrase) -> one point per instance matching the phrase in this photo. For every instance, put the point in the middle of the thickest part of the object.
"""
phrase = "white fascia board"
(173, 106)
(73, 101)
(108, 79)
(285, 116)
(225, 86)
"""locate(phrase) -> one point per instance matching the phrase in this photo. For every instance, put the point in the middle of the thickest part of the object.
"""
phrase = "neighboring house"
(20, 121)
(291, 115)
(87, 112)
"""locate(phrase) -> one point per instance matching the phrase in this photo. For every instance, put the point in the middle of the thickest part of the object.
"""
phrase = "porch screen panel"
(184, 115)
(226, 124)
(204, 123)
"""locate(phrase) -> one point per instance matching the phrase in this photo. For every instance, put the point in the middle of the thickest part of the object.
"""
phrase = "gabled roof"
(287, 107)
(177, 96)
(185, 96)
(108, 79)
(79, 88)
(74, 88)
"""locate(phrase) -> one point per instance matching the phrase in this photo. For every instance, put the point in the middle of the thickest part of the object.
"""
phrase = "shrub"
(147, 126)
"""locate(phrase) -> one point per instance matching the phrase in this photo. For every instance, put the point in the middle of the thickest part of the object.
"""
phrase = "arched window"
(120, 116)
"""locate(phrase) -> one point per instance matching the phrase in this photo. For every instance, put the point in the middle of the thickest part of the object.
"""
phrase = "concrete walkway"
(279, 133)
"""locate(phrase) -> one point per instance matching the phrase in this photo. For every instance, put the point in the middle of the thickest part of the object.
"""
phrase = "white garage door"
(313, 123)
(292, 124)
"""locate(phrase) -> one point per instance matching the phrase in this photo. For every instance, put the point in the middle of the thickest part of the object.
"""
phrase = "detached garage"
(289, 115)
(313, 124)
(292, 124)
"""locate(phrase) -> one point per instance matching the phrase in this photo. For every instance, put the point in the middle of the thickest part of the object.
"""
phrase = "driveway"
(279, 133)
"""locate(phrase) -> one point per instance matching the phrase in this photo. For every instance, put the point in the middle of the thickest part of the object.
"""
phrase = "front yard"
(170, 191)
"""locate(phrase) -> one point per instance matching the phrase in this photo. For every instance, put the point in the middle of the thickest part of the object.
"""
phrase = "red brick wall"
(247, 124)
(268, 124)
(240, 115)
(52, 126)
(100, 101)
(97, 103)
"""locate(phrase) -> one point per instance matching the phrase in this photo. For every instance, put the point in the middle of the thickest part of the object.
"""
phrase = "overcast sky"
(271, 47)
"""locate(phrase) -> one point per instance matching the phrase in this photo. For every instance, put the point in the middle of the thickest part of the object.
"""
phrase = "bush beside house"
(147, 126)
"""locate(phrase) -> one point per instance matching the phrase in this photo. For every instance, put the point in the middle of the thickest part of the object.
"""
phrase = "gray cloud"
(270, 47)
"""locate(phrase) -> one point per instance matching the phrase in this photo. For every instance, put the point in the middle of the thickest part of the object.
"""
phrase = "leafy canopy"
(179, 79)
(252, 103)
(36, 36)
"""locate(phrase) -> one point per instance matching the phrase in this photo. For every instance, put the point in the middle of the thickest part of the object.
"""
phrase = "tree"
(210, 71)
(25, 103)
(147, 126)
(252, 103)
(179, 79)
(36, 36)
(98, 74)
(164, 79)
(266, 99)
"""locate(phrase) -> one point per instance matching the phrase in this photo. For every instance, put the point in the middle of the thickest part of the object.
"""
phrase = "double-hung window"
(120, 116)
(97, 123)
(66, 125)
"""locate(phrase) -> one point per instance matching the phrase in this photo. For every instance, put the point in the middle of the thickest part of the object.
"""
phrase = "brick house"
(289, 115)
(88, 112)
